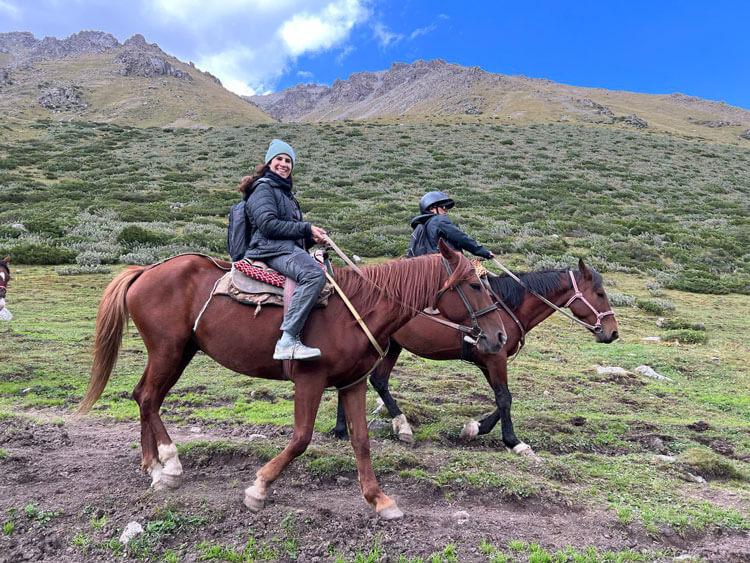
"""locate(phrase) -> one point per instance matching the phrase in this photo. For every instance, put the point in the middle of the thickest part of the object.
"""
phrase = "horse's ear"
(585, 272)
(447, 252)
(7, 259)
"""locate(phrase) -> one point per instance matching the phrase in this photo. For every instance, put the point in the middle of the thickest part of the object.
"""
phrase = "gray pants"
(310, 278)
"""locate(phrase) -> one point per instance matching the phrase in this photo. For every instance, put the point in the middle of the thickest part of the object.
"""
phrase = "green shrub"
(9, 232)
(710, 464)
(133, 235)
(679, 324)
(40, 254)
(686, 336)
(657, 306)
(697, 281)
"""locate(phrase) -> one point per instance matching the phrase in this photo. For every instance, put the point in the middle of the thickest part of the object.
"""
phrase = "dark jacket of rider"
(440, 226)
(275, 218)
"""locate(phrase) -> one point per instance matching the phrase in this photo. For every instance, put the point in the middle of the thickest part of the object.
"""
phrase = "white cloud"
(10, 9)
(305, 75)
(249, 44)
(385, 36)
(307, 32)
(348, 50)
(422, 31)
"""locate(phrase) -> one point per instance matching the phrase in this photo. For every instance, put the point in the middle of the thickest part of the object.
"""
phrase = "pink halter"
(578, 295)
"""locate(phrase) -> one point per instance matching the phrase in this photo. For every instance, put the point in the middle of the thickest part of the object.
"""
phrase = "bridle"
(471, 334)
(597, 327)
(475, 332)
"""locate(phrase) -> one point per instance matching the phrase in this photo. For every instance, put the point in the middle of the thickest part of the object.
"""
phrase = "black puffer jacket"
(276, 220)
(440, 226)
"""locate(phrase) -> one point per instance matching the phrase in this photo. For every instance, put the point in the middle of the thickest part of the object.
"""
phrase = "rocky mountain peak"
(136, 41)
(25, 47)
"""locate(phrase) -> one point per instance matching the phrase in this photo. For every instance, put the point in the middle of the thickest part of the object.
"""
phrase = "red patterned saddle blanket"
(257, 272)
(254, 283)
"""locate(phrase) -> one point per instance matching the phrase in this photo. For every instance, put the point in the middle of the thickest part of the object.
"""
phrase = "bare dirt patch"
(86, 470)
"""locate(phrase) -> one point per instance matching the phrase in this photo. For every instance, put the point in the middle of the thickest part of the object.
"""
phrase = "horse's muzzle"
(487, 345)
(606, 339)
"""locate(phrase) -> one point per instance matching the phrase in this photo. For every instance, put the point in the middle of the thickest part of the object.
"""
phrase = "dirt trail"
(88, 468)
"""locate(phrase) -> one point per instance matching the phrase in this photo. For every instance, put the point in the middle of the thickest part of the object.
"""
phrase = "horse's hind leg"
(354, 405)
(380, 380)
(308, 390)
(159, 454)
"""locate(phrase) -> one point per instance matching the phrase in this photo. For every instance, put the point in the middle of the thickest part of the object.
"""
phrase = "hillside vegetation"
(539, 194)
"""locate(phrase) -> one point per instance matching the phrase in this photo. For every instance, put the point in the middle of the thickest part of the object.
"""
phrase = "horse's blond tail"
(111, 321)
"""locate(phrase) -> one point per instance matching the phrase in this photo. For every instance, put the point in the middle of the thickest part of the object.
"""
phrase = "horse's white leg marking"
(402, 428)
(392, 512)
(255, 496)
(525, 450)
(171, 475)
(470, 430)
(155, 471)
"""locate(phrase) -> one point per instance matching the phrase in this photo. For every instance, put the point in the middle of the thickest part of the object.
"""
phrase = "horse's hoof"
(159, 485)
(171, 481)
(392, 512)
(253, 501)
(406, 436)
(341, 435)
(470, 430)
(525, 450)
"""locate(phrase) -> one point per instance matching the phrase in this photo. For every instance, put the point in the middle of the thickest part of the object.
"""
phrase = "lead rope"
(358, 318)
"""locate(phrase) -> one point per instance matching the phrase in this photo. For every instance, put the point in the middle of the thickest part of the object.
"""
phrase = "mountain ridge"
(91, 76)
(425, 89)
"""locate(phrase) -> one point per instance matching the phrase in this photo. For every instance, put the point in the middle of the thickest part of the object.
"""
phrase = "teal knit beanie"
(276, 147)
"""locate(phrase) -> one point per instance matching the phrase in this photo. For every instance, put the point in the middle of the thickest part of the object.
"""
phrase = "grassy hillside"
(539, 194)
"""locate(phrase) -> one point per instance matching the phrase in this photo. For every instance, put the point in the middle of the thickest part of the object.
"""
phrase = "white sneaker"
(295, 351)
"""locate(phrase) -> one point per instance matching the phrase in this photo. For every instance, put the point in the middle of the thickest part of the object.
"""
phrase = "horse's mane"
(410, 282)
(543, 282)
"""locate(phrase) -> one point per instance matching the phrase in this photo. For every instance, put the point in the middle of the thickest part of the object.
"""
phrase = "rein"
(473, 333)
(595, 328)
(522, 331)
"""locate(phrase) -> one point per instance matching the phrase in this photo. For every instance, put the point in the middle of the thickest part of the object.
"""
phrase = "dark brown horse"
(428, 340)
(164, 302)
(4, 279)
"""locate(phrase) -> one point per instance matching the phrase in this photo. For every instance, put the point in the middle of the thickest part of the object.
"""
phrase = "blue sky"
(698, 48)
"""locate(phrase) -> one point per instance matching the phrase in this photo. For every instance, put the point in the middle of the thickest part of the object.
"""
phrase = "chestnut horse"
(4, 279)
(164, 301)
(428, 340)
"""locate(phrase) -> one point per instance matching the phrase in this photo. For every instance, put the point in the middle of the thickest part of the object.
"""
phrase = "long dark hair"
(260, 171)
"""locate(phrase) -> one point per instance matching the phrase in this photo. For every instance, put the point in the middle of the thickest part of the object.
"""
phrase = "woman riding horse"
(279, 238)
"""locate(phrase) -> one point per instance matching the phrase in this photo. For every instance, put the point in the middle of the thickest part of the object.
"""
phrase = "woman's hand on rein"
(319, 235)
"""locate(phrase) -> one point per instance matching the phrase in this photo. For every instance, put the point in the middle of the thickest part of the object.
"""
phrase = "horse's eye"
(475, 286)
(600, 294)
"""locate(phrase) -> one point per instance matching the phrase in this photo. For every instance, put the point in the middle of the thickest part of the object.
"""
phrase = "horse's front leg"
(308, 390)
(354, 406)
(496, 373)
